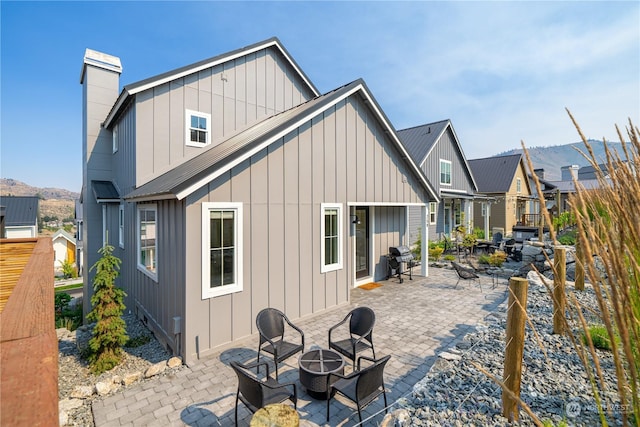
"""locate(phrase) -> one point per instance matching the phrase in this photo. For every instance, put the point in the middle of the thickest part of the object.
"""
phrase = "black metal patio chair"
(362, 386)
(361, 321)
(271, 326)
(257, 393)
(465, 274)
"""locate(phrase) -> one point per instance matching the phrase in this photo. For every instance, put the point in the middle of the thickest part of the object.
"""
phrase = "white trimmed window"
(121, 225)
(147, 240)
(433, 212)
(114, 139)
(198, 128)
(445, 172)
(221, 249)
(331, 232)
(518, 185)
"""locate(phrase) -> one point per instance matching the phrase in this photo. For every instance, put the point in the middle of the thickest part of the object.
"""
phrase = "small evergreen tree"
(109, 334)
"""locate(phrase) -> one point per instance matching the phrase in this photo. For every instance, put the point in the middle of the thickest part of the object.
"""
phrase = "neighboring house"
(21, 216)
(78, 237)
(64, 249)
(436, 149)
(504, 183)
(586, 177)
(231, 185)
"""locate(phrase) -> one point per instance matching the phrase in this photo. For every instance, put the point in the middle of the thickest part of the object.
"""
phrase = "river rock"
(174, 362)
(155, 369)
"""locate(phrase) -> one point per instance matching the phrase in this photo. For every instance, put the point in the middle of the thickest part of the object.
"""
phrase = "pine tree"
(109, 333)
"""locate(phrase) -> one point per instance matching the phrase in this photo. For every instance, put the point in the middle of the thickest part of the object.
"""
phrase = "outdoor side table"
(276, 414)
(315, 366)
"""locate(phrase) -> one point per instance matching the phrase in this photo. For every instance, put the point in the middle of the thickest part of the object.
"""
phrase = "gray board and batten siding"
(280, 160)
(237, 94)
(428, 144)
(341, 155)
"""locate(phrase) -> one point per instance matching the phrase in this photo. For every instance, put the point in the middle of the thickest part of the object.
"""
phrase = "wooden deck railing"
(28, 343)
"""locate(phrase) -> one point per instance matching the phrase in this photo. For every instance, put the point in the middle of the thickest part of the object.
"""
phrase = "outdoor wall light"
(355, 219)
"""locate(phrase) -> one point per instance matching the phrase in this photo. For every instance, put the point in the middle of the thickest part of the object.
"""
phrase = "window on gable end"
(198, 128)
(445, 172)
(518, 185)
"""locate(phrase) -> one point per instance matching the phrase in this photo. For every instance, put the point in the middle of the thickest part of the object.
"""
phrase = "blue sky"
(501, 71)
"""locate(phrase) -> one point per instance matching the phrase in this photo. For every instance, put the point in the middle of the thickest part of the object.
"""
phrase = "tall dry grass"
(608, 223)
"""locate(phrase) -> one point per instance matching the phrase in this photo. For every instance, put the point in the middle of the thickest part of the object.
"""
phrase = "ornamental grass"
(608, 230)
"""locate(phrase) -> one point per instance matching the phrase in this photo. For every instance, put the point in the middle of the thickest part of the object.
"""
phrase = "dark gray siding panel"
(390, 230)
(156, 302)
(446, 149)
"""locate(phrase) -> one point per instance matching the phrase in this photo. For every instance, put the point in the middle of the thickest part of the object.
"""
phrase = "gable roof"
(495, 174)
(20, 210)
(188, 177)
(65, 235)
(133, 88)
(421, 140)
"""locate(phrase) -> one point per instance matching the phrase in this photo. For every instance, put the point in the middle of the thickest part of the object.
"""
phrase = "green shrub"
(69, 269)
(568, 238)
(449, 257)
(436, 252)
(497, 258)
(484, 259)
(599, 337)
(479, 233)
(109, 333)
(66, 316)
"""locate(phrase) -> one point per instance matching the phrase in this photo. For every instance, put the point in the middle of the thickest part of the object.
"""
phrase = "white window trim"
(207, 291)
(141, 267)
(114, 139)
(433, 212)
(187, 127)
(518, 185)
(336, 266)
(450, 171)
(121, 225)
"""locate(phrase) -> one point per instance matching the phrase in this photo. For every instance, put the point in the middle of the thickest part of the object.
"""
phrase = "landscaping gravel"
(73, 371)
(554, 382)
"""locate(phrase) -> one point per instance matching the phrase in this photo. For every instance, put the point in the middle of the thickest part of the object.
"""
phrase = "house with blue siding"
(436, 149)
(232, 184)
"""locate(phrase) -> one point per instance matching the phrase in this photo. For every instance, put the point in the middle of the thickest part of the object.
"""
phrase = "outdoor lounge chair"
(362, 386)
(361, 321)
(497, 243)
(465, 274)
(256, 393)
(271, 326)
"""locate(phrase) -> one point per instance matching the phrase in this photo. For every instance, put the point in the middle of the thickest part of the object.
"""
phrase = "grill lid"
(400, 250)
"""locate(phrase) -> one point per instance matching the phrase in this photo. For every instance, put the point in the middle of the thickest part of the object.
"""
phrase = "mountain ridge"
(13, 187)
(552, 158)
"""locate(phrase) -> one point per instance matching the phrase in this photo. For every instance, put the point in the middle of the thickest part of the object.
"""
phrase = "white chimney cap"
(100, 60)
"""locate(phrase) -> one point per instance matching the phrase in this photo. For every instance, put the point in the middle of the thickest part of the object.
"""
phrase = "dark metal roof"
(495, 174)
(420, 140)
(105, 191)
(132, 88)
(198, 171)
(20, 210)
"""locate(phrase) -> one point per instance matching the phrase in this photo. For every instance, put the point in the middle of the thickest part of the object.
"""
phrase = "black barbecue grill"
(399, 255)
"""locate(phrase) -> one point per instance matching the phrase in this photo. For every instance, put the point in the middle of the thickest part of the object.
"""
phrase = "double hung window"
(147, 240)
(222, 249)
(331, 231)
(445, 172)
(198, 128)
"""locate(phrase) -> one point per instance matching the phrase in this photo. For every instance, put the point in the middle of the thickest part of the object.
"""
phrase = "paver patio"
(415, 321)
